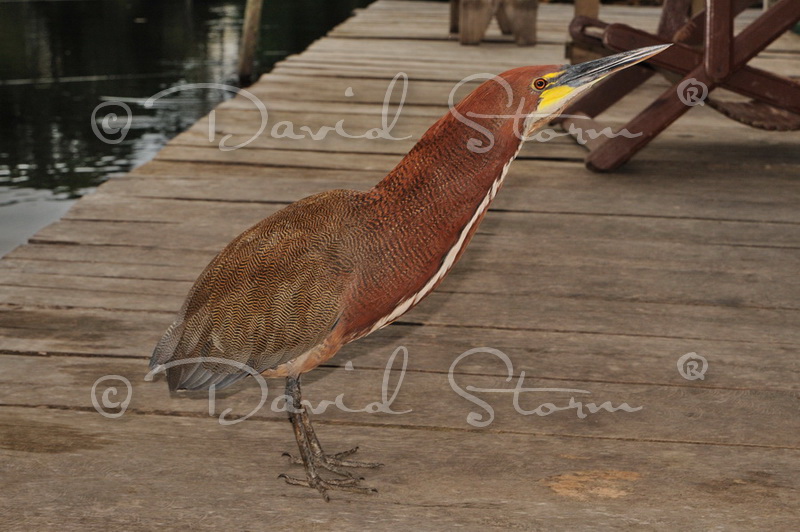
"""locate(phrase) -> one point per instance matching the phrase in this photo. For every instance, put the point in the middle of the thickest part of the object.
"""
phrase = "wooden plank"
(601, 483)
(519, 310)
(296, 158)
(564, 272)
(341, 108)
(421, 92)
(205, 233)
(487, 269)
(159, 169)
(721, 417)
(110, 301)
(758, 263)
(81, 331)
(541, 186)
(169, 289)
(494, 54)
(556, 355)
(112, 256)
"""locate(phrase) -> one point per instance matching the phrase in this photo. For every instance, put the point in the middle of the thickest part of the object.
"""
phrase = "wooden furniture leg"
(524, 21)
(470, 18)
(504, 17)
(454, 14)
(474, 17)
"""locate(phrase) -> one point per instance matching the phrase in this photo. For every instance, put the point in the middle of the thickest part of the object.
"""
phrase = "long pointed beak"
(592, 71)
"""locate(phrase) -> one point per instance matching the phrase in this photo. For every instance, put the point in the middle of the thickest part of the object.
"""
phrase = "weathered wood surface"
(587, 282)
(226, 479)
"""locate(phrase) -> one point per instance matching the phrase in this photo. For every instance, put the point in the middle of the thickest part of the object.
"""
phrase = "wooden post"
(247, 51)
(719, 37)
(454, 10)
(576, 52)
(474, 17)
(513, 16)
(524, 21)
(587, 8)
(503, 16)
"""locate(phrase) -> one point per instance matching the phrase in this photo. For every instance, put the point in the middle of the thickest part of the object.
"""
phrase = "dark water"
(60, 59)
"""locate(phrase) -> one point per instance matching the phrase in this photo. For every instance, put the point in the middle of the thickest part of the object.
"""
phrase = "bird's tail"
(185, 364)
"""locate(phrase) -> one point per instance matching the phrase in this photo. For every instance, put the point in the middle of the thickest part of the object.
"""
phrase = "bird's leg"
(311, 455)
(330, 461)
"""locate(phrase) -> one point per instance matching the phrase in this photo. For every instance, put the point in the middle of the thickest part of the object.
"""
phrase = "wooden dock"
(590, 283)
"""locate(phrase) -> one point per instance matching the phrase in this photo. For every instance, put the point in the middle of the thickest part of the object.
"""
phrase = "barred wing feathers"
(274, 293)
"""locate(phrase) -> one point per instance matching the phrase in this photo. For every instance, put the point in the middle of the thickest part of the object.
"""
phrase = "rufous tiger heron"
(289, 292)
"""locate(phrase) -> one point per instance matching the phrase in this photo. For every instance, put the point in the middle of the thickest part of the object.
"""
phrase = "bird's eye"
(539, 84)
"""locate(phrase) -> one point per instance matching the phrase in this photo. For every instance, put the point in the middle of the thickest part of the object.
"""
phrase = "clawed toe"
(344, 454)
(334, 462)
(330, 464)
(293, 459)
(352, 463)
(323, 485)
(337, 460)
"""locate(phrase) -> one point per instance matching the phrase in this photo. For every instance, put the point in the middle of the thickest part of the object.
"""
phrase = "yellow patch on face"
(554, 97)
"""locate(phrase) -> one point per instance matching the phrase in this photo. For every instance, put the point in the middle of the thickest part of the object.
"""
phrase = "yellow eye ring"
(540, 84)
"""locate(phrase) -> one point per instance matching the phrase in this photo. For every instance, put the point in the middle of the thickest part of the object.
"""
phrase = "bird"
(288, 293)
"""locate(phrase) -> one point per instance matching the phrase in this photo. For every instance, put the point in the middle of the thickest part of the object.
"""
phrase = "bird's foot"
(313, 458)
(334, 462)
(322, 485)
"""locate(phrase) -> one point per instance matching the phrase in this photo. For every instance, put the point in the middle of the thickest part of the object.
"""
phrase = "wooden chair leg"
(524, 21)
(502, 8)
(474, 17)
(674, 15)
(587, 8)
(719, 37)
(454, 9)
(765, 29)
(668, 107)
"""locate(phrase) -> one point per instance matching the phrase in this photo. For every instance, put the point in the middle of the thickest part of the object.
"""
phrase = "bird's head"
(527, 98)
(552, 89)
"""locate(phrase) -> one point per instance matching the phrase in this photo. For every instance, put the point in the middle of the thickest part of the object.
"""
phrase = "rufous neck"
(455, 160)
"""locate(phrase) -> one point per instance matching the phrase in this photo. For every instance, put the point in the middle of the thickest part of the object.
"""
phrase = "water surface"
(59, 59)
